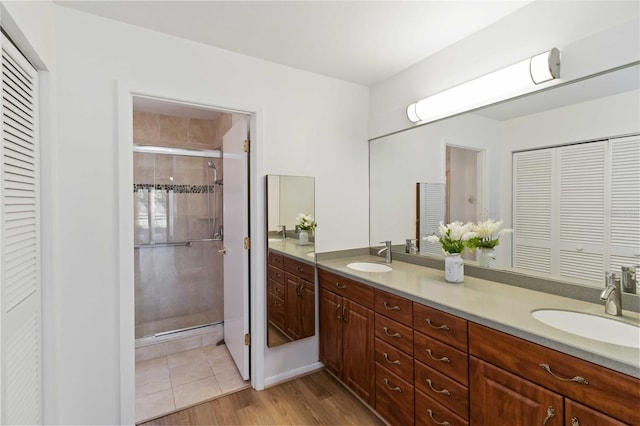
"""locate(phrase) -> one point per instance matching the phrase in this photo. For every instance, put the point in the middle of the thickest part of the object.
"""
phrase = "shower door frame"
(255, 268)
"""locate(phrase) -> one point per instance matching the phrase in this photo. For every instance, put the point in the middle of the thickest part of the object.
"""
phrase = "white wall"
(310, 125)
(399, 161)
(591, 35)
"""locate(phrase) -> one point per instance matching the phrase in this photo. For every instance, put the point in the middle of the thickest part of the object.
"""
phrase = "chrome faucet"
(612, 294)
(386, 250)
(283, 229)
(409, 246)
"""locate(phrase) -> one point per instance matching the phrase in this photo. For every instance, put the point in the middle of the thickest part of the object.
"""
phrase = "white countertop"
(500, 306)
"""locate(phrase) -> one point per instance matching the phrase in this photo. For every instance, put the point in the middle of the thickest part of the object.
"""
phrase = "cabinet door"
(501, 398)
(292, 305)
(358, 350)
(331, 331)
(307, 295)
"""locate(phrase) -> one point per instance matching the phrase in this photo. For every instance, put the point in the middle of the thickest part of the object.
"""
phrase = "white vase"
(453, 268)
(303, 238)
(486, 256)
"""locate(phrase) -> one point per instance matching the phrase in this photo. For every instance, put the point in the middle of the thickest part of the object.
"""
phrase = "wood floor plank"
(316, 399)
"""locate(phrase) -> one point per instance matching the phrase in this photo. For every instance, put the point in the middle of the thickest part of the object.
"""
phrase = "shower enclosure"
(178, 233)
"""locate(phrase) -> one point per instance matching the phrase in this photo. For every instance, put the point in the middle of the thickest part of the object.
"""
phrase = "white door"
(236, 258)
(20, 287)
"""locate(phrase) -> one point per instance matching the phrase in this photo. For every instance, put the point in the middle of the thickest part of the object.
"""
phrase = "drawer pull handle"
(577, 379)
(395, 389)
(338, 311)
(550, 413)
(391, 308)
(386, 358)
(442, 391)
(386, 331)
(341, 287)
(437, 327)
(344, 314)
(443, 359)
(445, 423)
(299, 289)
(299, 269)
(575, 421)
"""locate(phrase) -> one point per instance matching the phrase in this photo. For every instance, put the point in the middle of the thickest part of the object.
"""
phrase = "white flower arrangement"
(306, 222)
(453, 237)
(488, 234)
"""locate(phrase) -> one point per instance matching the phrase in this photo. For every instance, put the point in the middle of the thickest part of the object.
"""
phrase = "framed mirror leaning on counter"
(291, 226)
(559, 166)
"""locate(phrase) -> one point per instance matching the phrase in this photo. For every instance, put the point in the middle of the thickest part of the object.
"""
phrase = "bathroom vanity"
(421, 351)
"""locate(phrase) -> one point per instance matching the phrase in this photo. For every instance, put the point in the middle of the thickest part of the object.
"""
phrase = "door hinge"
(247, 339)
(247, 243)
(246, 146)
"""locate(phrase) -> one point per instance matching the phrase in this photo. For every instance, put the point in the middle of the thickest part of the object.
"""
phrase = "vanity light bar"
(497, 86)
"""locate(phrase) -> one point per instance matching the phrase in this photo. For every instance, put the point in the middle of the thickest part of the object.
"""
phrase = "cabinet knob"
(575, 421)
(551, 412)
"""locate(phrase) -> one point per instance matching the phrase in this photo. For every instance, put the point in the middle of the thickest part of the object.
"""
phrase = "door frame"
(125, 92)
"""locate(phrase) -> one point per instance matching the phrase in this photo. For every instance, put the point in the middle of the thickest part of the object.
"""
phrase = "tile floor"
(173, 382)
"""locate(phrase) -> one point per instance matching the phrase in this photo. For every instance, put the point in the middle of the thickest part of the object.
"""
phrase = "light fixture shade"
(511, 81)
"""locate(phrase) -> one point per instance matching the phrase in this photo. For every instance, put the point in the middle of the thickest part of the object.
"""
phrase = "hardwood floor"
(316, 399)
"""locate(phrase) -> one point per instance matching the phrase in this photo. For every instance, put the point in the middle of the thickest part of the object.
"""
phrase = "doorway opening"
(464, 186)
(190, 217)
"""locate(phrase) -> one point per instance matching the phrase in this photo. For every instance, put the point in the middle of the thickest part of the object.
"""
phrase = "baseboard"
(292, 374)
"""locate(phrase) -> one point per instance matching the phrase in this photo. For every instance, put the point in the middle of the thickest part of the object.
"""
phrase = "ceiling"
(364, 42)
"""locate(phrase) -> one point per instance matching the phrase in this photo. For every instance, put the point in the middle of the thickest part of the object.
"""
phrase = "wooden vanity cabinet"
(586, 389)
(291, 296)
(394, 358)
(347, 332)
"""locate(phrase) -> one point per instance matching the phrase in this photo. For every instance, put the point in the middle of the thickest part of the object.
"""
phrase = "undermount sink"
(591, 326)
(369, 267)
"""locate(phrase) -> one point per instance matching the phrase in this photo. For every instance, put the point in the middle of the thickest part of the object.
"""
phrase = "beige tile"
(230, 380)
(173, 131)
(195, 392)
(152, 381)
(149, 352)
(182, 345)
(187, 373)
(155, 404)
(213, 337)
(201, 133)
(186, 357)
(146, 127)
(151, 365)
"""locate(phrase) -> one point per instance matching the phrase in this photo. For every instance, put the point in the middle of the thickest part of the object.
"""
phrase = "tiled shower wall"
(177, 200)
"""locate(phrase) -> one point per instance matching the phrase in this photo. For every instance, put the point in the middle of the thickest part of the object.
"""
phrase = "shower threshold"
(181, 330)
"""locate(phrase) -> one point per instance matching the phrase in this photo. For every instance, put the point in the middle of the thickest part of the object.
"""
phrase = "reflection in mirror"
(290, 259)
(605, 107)
(432, 202)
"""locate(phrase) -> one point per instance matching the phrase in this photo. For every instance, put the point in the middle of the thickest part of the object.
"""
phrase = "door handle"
(223, 250)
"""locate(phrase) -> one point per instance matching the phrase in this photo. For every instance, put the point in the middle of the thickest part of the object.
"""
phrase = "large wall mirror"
(559, 122)
(290, 259)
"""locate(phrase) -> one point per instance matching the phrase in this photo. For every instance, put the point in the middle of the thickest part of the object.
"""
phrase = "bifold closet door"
(20, 288)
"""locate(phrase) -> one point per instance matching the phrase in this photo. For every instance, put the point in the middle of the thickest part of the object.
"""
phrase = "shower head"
(211, 165)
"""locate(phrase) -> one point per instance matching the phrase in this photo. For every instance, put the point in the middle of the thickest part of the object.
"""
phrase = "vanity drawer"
(276, 288)
(441, 326)
(441, 388)
(608, 391)
(441, 357)
(394, 333)
(276, 259)
(276, 274)
(394, 360)
(394, 397)
(578, 415)
(359, 293)
(303, 270)
(396, 307)
(276, 310)
(430, 412)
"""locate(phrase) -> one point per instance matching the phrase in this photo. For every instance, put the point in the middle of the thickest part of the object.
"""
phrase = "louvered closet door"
(533, 192)
(625, 202)
(20, 341)
(582, 201)
(432, 211)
